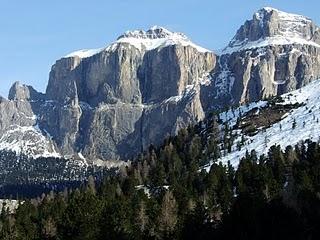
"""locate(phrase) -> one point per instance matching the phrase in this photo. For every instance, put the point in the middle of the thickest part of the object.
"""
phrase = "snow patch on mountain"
(27, 140)
(84, 53)
(155, 37)
(298, 125)
(238, 46)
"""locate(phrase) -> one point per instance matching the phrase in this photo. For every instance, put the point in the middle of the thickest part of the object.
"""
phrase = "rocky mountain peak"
(289, 25)
(23, 92)
(270, 26)
(155, 37)
(154, 32)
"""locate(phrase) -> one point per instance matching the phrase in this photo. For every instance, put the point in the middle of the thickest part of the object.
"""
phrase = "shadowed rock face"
(118, 102)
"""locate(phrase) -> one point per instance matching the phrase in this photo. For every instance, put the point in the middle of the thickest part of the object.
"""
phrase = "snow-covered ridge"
(283, 16)
(28, 140)
(269, 41)
(85, 53)
(153, 38)
(306, 117)
(289, 29)
(154, 32)
(35, 142)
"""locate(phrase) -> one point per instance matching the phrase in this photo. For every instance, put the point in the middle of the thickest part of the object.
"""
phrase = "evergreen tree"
(168, 216)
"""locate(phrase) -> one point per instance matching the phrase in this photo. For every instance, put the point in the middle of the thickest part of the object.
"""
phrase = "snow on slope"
(269, 41)
(27, 140)
(154, 38)
(149, 40)
(307, 118)
(85, 53)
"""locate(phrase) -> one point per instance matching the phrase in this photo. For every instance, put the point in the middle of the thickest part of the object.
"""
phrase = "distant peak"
(157, 37)
(156, 27)
(17, 84)
(19, 91)
(154, 37)
(282, 15)
(270, 26)
(155, 32)
(268, 9)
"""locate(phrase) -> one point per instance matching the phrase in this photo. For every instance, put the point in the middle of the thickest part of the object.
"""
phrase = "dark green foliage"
(165, 194)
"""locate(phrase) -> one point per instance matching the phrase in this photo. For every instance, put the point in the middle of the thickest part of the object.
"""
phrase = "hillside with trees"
(166, 194)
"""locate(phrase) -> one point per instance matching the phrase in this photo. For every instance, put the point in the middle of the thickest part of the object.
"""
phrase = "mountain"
(108, 103)
(271, 54)
(113, 102)
(237, 133)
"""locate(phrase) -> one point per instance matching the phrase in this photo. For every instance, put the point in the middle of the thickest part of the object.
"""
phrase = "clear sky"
(35, 33)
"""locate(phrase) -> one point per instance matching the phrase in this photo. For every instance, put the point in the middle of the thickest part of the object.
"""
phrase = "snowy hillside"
(28, 140)
(296, 125)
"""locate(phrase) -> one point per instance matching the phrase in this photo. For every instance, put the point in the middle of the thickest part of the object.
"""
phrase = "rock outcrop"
(122, 98)
(19, 129)
(19, 92)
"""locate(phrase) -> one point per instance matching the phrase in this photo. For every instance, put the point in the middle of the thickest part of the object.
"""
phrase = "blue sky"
(35, 33)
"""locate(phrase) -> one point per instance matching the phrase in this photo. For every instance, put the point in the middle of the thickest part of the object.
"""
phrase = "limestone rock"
(19, 92)
(274, 53)
(111, 103)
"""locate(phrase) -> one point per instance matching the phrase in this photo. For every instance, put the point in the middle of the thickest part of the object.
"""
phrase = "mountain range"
(111, 103)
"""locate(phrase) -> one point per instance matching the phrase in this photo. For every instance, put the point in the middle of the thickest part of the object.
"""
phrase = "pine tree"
(142, 219)
(168, 216)
(49, 230)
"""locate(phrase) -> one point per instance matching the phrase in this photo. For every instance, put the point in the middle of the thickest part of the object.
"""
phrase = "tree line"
(165, 194)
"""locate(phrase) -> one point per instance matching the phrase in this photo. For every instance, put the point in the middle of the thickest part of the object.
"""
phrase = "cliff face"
(271, 54)
(113, 102)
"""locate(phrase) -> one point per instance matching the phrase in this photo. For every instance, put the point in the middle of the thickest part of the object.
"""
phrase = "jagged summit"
(270, 26)
(285, 15)
(153, 38)
(154, 32)
(19, 91)
(290, 24)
